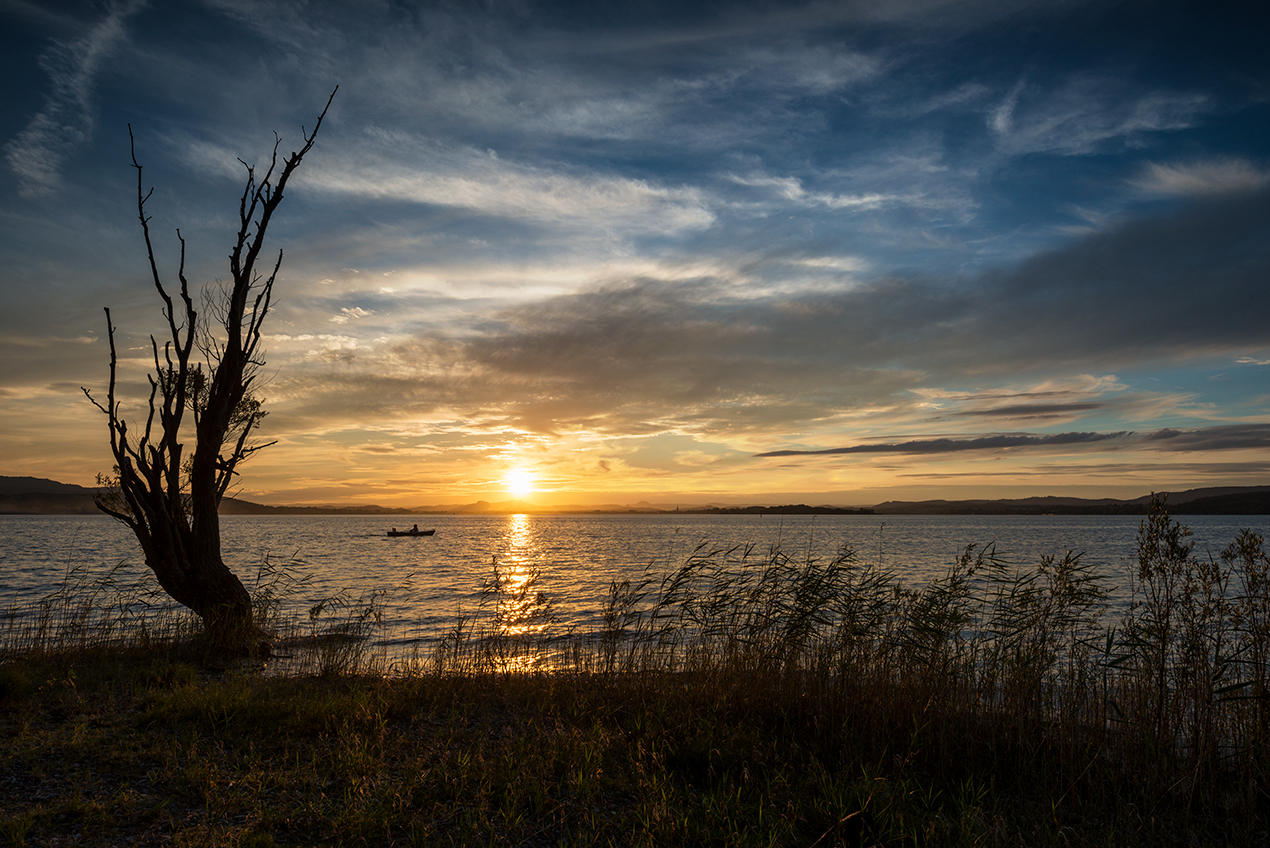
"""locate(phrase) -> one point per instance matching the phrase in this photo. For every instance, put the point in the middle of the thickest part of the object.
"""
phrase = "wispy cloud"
(403, 167)
(1032, 410)
(931, 446)
(350, 313)
(1002, 118)
(965, 95)
(813, 69)
(1085, 113)
(65, 123)
(791, 189)
(1228, 437)
(1208, 177)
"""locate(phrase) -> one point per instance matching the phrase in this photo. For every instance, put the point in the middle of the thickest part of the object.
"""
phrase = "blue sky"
(841, 252)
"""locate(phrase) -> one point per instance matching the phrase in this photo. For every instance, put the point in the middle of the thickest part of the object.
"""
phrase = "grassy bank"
(732, 699)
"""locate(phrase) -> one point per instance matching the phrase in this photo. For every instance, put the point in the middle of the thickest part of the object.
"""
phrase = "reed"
(733, 697)
(91, 611)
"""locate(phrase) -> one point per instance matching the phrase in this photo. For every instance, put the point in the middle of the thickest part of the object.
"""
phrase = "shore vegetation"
(736, 697)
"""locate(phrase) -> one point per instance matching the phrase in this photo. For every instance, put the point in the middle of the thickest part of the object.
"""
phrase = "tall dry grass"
(996, 680)
(92, 610)
(1019, 671)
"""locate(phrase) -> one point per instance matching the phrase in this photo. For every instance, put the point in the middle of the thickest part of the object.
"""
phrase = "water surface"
(421, 583)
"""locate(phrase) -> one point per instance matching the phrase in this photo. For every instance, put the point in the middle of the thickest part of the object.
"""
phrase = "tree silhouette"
(204, 375)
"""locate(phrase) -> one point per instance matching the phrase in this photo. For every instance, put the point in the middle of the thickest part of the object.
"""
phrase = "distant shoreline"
(35, 496)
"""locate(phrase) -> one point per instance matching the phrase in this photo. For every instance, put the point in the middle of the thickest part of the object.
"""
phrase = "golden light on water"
(518, 602)
(518, 536)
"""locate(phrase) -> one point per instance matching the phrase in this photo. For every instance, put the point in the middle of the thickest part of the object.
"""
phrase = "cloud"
(731, 354)
(1002, 118)
(348, 314)
(1033, 410)
(697, 458)
(1084, 113)
(965, 95)
(399, 166)
(1150, 289)
(932, 446)
(65, 123)
(1209, 177)
(291, 25)
(1226, 437)
(809, 68)
(791, 189)
(841, 264)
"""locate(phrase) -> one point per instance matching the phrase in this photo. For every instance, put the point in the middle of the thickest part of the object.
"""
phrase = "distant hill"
(37, 496)
(236, 506)
(1191, 495)
(39, 486)
(1230, 500)
(1235, 503)
(788, 509)
(51, 504)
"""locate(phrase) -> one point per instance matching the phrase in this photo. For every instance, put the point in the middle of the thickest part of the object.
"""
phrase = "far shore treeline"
(37, 496)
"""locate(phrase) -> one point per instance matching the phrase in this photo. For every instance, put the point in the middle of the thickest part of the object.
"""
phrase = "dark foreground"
(143, 749)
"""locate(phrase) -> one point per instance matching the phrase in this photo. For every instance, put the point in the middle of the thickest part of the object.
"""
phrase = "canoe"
(411, 532)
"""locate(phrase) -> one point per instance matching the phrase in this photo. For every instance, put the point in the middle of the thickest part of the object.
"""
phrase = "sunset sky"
(826, 252)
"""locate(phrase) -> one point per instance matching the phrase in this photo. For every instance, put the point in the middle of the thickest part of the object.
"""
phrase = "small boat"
(415, 532)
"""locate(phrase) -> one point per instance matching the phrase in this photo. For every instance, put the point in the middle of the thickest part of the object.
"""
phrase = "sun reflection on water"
(518, 533)
(522, 609)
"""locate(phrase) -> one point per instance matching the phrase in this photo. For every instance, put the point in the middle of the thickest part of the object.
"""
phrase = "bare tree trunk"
(168, 500)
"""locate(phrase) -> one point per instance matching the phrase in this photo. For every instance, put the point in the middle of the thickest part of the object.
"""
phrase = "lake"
(421, 584)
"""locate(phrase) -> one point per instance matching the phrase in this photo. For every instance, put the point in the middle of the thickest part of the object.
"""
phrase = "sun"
(520, 483)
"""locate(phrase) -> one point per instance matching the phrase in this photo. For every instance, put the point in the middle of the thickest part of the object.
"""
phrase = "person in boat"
(414, 529)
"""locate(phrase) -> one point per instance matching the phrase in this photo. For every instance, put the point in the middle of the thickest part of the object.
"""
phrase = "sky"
(763, 252)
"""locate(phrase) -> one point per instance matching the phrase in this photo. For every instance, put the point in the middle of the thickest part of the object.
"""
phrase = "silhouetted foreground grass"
(731, 699)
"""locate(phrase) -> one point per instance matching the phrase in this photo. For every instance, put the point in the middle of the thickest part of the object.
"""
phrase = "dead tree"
(204, 374)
